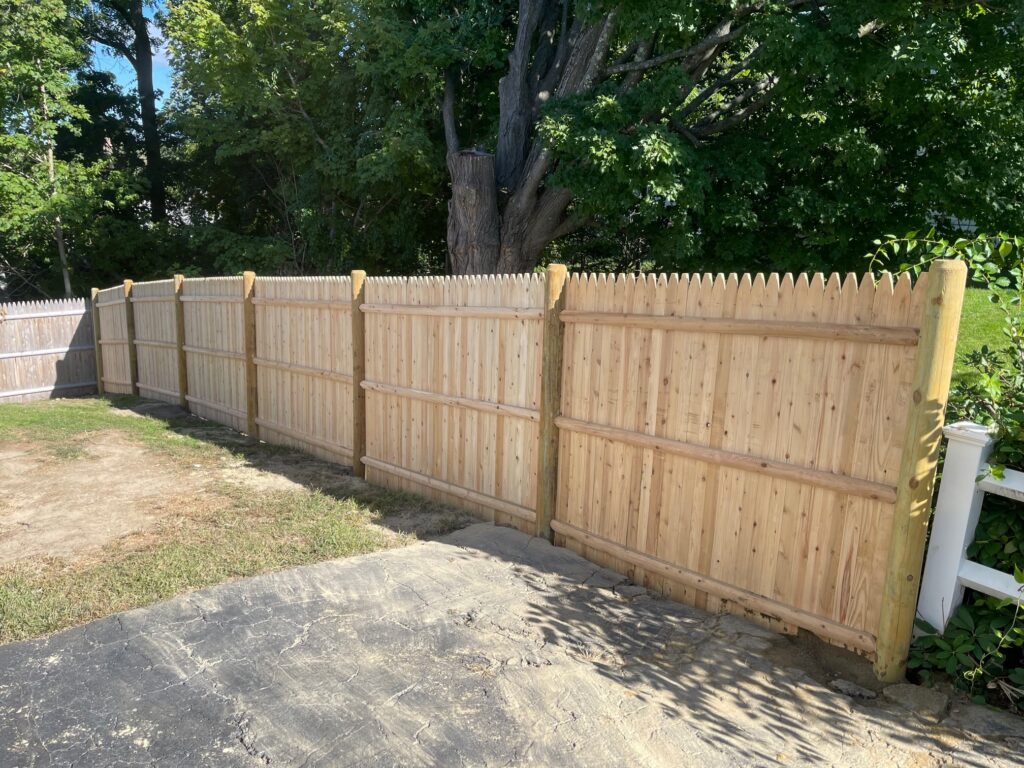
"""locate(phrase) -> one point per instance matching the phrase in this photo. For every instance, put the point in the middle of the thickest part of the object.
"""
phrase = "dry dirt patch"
(114, 487)
(53, 507)
(102, 511)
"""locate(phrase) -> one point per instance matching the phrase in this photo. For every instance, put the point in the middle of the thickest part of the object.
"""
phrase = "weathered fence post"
(358, 374)
(133, 357)
(96, 341)
(935, 354)
(179, 340)
(956, 517)
(550, 399)
(249, 324)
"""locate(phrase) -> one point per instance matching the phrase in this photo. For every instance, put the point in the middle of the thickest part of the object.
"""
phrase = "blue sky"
(104, 59)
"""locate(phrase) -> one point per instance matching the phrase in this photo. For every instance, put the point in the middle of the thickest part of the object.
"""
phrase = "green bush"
(982, 648)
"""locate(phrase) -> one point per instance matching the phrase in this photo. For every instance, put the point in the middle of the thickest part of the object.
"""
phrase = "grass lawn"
(981, 323)
(229, 519)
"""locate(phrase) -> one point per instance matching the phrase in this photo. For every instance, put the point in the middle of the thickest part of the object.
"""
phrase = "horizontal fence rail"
(46, 350)
(764, 445)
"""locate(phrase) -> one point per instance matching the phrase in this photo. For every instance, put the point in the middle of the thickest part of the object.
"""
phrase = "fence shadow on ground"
(735, 681)
(400, 512)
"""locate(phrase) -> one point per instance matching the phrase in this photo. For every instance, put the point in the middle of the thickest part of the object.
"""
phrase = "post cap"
(969, 432)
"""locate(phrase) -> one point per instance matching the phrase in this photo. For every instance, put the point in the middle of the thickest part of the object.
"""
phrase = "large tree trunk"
(502, 215)
(483, 238)
(143, 63)
(474, 224)
(504, 210)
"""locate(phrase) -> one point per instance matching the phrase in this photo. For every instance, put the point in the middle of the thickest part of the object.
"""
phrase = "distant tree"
(296, 161)
(43, 197)
(122, 26)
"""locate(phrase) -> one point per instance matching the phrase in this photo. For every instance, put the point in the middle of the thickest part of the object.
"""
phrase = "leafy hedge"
(982, 648)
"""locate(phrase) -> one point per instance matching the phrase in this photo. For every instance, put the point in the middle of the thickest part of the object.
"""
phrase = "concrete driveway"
(484, 648)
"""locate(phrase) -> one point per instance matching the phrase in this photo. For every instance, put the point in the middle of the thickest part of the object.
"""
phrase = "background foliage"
(306, 137)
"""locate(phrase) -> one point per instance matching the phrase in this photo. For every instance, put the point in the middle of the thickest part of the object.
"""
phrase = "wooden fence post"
(550, 400)
(133, 357)
(179, 340)
(358, 374)
(249, 323)
(96, 341)
(935, 355)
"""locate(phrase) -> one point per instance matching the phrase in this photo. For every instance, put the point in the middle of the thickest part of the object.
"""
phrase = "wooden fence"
(303, 361)
(46, 350)
(758, 445)
(453, 389)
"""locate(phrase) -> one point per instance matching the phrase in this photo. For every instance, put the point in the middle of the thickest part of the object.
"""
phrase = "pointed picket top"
(865, 308)
(585, 297)
(17, 308)
(758, 292)
(849, 298)
(884, 284)
(572, 290)
(885, 310)
(833, 298)
(676, 295)
(903, 297)
(631, 287)
(704, 295)
(744, 301)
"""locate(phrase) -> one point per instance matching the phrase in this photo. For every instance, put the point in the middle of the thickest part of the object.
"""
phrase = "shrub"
(982, 648)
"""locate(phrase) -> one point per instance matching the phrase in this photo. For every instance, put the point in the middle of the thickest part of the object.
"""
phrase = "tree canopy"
(405, 136)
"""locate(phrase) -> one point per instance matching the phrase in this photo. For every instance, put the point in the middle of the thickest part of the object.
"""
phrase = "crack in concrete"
(248, 739)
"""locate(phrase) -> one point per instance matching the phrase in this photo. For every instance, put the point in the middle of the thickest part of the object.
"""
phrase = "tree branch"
(728, 107)
(567, 37)
(302, 111)
(549, 29)
(515, 111)
(569, 225)
(643, 51)
(451, 132)
(721, 82)
(629, 53)
(643, 65)
(701, 130)
(710, 49)
(115, 45)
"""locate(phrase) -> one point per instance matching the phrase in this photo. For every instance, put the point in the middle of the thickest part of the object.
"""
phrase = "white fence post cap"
(969, 432)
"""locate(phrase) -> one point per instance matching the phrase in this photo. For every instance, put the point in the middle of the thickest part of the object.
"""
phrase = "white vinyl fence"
(965, 481)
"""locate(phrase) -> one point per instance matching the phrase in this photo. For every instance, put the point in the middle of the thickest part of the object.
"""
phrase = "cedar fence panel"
(114, 341)
(156, 339)
(46, 350)
(453, 388)
(215, 349)
(304, 363)
(737, 443)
